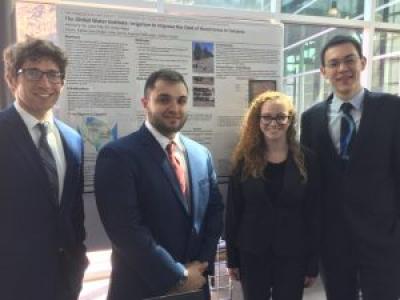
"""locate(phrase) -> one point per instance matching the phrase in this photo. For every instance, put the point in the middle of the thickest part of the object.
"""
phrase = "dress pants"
(267, 275)
(66, 289)
(344, 279)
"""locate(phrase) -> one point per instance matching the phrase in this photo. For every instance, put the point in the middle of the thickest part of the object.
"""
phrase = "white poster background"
(112, 52)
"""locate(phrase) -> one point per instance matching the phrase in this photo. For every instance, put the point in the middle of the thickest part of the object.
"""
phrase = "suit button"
(60, 250)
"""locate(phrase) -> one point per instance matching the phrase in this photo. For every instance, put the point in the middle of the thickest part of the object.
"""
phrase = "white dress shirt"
(335, 115)
(180, 151)
(53, 139)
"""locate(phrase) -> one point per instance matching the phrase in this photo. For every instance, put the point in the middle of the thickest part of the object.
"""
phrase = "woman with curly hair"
(272, 215)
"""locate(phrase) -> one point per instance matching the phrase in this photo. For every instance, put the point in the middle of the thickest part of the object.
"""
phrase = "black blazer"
(290, 228)
(41, 243)
(361, 204)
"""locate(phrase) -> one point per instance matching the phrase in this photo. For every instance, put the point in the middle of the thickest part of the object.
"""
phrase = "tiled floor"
(314, 293)
(96, 281)
(97, 290)
(94, 290)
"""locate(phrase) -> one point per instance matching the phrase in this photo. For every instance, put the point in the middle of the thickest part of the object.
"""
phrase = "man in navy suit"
(42, 255)
(356, 136)
(161, 207)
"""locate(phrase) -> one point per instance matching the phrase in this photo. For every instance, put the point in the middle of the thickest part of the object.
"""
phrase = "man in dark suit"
(160, 207)
(42, 255)
(356, 136)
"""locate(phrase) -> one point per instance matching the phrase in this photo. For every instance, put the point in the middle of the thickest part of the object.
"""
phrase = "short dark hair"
(32, 49)
(165, 75)
(339, 40)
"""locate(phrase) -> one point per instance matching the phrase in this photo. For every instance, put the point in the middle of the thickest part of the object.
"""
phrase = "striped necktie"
(347, 130)
(48, 160)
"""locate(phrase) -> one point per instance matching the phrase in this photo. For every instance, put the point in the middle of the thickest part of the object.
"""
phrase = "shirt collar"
(30, 121)
(162, 139)
(356, 101)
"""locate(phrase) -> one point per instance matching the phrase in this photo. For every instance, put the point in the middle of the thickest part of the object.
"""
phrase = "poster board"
(226, 61)
(112, 52)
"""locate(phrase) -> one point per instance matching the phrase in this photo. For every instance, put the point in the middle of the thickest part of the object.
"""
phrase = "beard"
(163, 127)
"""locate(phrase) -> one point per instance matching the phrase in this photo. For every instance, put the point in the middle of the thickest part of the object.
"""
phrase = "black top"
(274, 173)
(291, 226)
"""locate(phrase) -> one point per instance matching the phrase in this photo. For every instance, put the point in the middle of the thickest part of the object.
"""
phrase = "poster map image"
(97, 132)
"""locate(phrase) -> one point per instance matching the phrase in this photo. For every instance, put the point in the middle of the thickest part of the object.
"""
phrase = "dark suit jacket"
(361, 203)
(34, 231)
(289, 228)
(144, 215)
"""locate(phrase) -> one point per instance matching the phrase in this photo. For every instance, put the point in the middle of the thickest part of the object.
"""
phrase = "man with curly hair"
(42, 255)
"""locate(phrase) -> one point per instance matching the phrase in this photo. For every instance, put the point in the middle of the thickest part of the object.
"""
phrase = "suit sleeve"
(305, 130)
(120, 212)
(396, 152)
(213, 222)
(312, 214)
(313, 207)
(78, 211)
(234, 209)
(77, 259)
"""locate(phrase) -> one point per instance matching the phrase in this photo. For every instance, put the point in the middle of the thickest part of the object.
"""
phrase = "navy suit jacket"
(361, 203)
(41, 245)
(144, 214)
(290, 228)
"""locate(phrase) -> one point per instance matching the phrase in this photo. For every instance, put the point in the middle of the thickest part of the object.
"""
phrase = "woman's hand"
(234, 273)
(309, 281)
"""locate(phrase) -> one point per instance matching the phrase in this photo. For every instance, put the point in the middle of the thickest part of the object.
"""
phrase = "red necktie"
(178, 168)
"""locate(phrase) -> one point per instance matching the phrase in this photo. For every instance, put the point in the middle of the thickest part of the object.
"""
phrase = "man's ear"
(363, 62)
(322, 70)
(11, 83)
(145, 102)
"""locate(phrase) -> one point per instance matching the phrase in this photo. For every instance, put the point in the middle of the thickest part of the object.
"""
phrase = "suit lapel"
(193, 159)
(158, 155)
(23, 143)
(22, 139)
(370, 111)
(72, 153)
(291, 180)
(326, 137)
(325, 121)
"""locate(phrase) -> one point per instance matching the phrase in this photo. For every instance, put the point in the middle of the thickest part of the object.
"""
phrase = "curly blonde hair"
(249, 154)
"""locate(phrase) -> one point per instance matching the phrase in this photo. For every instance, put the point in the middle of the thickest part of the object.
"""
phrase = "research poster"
(226, 63)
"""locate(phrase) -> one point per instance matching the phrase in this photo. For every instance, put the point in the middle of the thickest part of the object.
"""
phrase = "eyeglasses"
(36, 75)
(349, 61)
(279, 119)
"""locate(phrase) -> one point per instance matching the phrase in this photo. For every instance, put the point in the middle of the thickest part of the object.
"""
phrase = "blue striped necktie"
(347, 130)
(48, 160)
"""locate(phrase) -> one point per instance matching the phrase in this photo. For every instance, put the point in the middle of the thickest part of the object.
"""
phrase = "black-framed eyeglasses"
(279, 119)
(349, 61)
(35, 74)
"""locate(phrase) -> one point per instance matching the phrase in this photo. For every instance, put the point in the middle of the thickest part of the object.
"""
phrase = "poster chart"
(225, 62)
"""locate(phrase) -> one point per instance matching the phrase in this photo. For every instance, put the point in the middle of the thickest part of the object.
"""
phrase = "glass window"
(387, 11)
(331, 8)
(263, 5)
(303, 44)
(386, 62)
